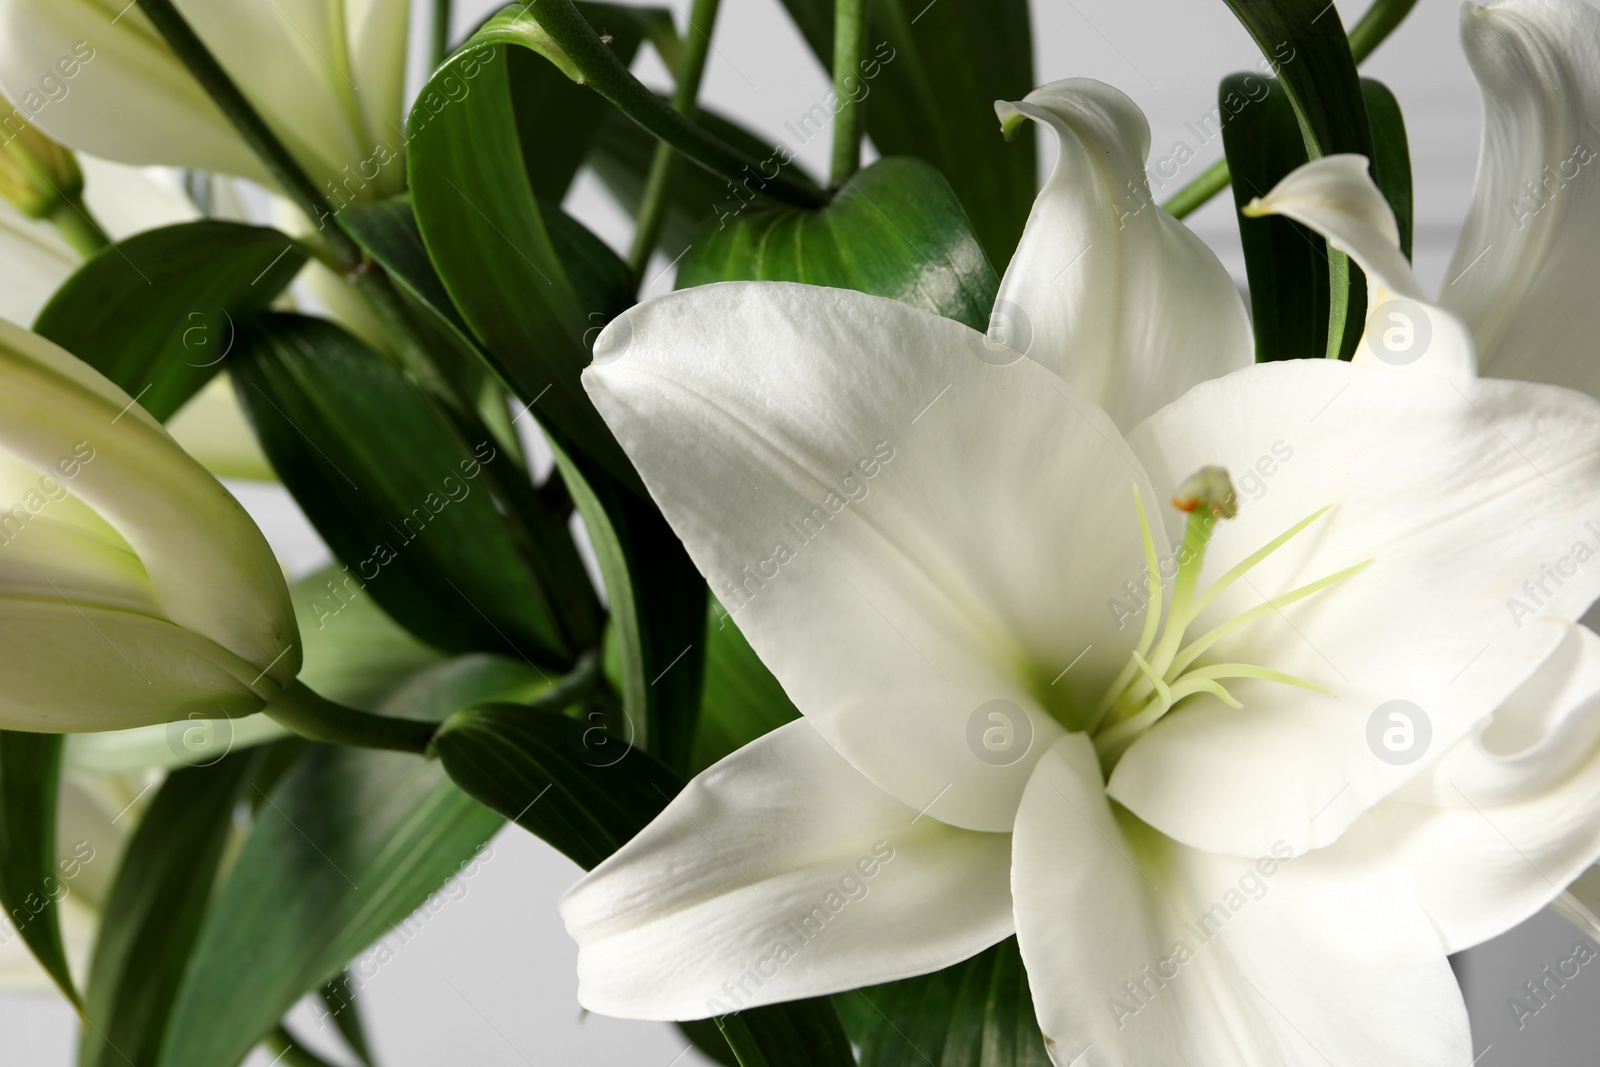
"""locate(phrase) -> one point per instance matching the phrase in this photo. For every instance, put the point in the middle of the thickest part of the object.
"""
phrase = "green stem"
(294, 182)
(290, 1052)
(849, 120)
(439, 43)
(320, 719)
(1375, 24)
(73, 222)
(606, 74)
(663, 167)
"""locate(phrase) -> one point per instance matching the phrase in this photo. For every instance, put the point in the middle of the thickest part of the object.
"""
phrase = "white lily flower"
(327, 75)
(135, 589)
(1162, 749)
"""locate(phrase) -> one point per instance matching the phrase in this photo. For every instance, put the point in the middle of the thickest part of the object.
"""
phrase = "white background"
(489, 981)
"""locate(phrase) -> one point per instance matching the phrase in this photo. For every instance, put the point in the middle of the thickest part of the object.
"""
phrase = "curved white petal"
(1335, 196)
(1106, 289)
(776, 874)
(34, 261)
(1520, 275)
(128, 200)
(1144, 953)
(905, 532)
(1511, 815)
(1457, 492)
(208, 567)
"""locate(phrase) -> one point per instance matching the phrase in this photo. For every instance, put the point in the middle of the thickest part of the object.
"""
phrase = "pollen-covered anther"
(1208, 489)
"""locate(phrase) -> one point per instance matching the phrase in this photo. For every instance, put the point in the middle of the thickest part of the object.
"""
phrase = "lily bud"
(37, 175)
(1208, 490)
(133, 588)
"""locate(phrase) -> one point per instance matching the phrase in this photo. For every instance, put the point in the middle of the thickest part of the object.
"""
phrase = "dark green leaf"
(342, 1005)
(1391, 155)
(393, 488)
(158, 312)
(932, 74)
(348, 843)
(30, 773)
(741, 699)
(1311, 55)
(155, 912)
(556, 776)
(978, 1013)
(896, 230)
(706, 1035)
(486, 235)
(801, 1033)
(621, 158)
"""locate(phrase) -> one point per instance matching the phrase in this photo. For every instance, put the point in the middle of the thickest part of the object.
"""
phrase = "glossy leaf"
(485, 233)
(157, 313)
(658, 612)
(347, 1018)
(895, 230)
(347, 844)
(931, 76)
(1391, 155)
(155, 912)
(396, 492)
(621, 159)
(741, 699)
(30, 886)
(978, 1013)
(800, 1033)
(559, 777)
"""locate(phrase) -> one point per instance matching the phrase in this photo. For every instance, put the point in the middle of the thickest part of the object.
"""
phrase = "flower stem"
(320, 719)
(664, 165)
(1375, 24)
(606, 74)
(226, 94)
(439, 42)
(74, 223)
(849, 42)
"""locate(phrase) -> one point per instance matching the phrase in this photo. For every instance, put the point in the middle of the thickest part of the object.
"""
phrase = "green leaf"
(621, 159)
(553, 777)
(936, 71)
(486, 235)
(658, 612)
(741, 700)
(347, 844)
(801, 1033)
(895, 230)
(394, 489)
(1311, 55)
(30, 774)
(158, 312)
(342, 1005)
(1391, 155)
(978, 1013)
(155, 911)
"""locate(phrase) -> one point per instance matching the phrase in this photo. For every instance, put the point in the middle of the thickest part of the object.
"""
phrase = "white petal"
(1457, 492)
(1335, 196)
(776, 874)
(34, 261)
(1520, 273)
(904, 531)
(1144, 953)
(128, 200)
(1511, 815)
(1106, 289)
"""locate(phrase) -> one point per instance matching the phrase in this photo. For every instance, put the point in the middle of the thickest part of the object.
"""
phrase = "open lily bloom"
(134, 589)
(327, 75)
(1170, 751)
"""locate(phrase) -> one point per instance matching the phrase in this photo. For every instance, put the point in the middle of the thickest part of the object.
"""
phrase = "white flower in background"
(1037, 700)
(134, 589)
(327, 75)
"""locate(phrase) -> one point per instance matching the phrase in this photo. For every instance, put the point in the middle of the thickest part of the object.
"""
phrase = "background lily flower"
(135, 588)
(327, 75)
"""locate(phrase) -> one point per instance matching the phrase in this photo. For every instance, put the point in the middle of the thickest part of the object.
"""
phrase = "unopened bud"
(1209, 488)
(37, 175)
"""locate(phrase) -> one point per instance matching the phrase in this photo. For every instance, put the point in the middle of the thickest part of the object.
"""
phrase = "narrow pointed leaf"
(157, 313)
(1391, 155)
(30, 886)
